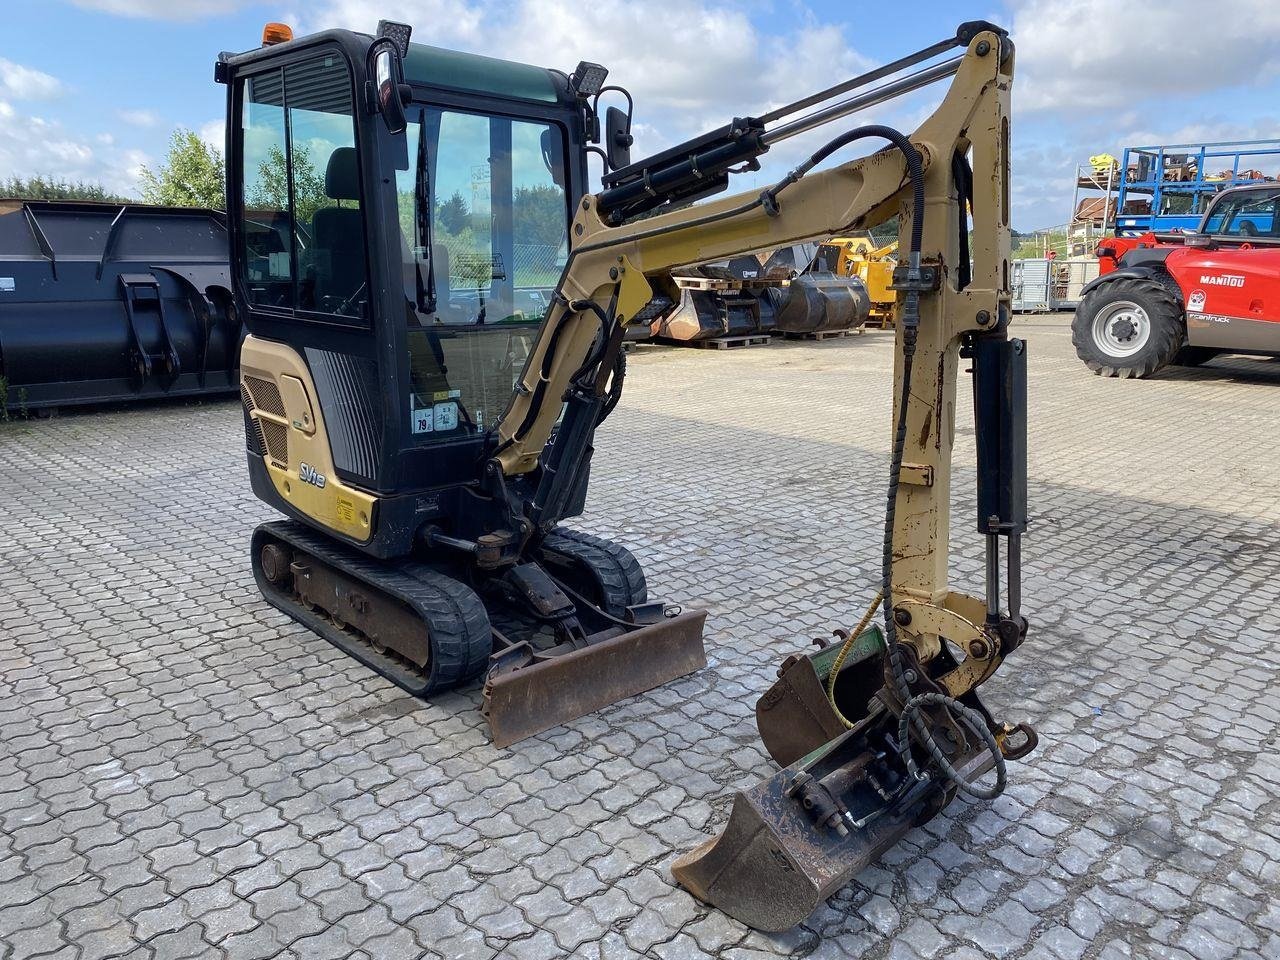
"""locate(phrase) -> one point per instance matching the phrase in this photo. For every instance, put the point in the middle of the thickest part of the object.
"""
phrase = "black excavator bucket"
(843, 798)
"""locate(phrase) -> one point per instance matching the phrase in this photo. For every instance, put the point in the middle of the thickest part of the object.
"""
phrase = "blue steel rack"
(1203, 169)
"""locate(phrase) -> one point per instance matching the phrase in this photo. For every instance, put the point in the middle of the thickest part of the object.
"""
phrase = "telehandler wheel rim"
(1121, 329)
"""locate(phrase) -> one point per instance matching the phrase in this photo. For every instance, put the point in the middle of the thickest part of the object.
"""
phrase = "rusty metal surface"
(350, 603)
(547, 693)
(794, 716)
(772, 866)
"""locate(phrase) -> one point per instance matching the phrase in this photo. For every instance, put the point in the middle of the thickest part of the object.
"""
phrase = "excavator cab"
(399, 218)
(409, 268)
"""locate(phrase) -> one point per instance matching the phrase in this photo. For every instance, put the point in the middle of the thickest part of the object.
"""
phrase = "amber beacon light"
(276, 33)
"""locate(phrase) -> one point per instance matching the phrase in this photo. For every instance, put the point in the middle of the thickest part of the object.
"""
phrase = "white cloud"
(139, 118)
(162, 9)
(25, 83)
(1083, 87)
(31, 146)
(692, 65)
(1072, 56)
(213, 133)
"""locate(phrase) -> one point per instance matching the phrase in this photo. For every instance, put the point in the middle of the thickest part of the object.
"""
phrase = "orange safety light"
(276, 33)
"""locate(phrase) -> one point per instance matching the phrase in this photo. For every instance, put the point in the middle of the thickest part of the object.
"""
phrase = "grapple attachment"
(844, 797)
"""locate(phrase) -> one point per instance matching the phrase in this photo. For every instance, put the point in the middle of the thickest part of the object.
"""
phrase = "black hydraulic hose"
(615, 386)
(548, 358)
(912, 705)
(602, 339)
(910, 328)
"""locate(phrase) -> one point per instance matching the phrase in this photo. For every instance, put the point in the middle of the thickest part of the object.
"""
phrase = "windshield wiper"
(422, 197)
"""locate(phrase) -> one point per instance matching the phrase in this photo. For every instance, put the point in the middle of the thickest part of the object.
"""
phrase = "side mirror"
(389, 92)
(617, 138)
(552, 155)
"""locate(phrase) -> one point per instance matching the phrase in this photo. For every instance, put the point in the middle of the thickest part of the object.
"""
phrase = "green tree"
(271, 192)
(452, 215)
(191, 175)
(539, 215)
(47, 188)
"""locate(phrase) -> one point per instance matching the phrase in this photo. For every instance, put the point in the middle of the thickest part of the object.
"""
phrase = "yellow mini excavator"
(436, 307)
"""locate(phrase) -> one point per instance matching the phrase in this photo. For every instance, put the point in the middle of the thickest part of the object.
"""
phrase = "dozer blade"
(545, 693)
(773, 865)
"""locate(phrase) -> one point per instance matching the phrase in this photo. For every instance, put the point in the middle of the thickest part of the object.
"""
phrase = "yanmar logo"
(1223, 280)
(309, 474)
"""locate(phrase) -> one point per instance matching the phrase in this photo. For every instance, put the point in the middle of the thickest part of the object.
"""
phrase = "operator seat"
(338, 235)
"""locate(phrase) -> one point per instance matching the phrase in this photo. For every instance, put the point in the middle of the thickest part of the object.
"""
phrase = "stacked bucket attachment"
(561, 635)
(820, 303)
(105, 302)
(715, 302)
(844, 795)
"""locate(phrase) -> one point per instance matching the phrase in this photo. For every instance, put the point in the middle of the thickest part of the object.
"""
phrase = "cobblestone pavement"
(185, 773)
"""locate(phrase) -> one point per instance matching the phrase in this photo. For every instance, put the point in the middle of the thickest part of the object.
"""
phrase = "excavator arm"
(618, 270)
(880, 732)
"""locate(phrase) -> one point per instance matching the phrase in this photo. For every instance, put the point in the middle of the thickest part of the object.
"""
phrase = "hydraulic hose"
(909, 721)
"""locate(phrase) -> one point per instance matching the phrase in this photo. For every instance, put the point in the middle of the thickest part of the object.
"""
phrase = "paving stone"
(185, 772)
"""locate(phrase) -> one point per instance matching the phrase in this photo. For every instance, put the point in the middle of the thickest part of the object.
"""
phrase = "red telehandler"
(1184, 298)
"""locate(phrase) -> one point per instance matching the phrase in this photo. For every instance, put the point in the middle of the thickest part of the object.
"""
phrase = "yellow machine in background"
(860, 257)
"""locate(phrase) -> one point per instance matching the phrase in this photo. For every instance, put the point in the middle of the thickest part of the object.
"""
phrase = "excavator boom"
(880, 737)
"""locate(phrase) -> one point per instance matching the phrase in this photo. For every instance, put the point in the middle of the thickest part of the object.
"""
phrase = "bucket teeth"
(545, 693)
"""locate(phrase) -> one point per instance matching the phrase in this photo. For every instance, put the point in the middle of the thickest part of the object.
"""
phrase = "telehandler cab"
(428, 362)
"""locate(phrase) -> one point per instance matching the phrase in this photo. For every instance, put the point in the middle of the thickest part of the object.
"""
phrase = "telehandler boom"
(425, 533)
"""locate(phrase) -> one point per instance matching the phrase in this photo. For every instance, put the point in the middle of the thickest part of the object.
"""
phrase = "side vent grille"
(275, 438)
(266, 395)
(259, 394)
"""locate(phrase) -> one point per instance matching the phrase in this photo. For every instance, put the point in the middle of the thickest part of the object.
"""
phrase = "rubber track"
(457, 622)
(618, 573)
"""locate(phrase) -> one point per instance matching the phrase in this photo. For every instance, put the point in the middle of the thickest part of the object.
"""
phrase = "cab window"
(498, 216)
(1252, 213)
(484, 217)
(303, 229)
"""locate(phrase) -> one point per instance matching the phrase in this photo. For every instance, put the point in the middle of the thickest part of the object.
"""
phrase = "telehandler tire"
(1130, 327)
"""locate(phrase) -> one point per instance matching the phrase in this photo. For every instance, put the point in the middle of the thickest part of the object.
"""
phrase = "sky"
(92, 89)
